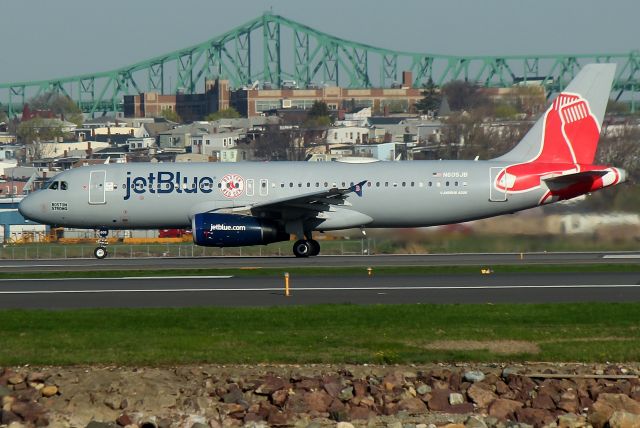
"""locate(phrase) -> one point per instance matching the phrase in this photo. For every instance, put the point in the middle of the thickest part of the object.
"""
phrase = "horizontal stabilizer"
(563, 181)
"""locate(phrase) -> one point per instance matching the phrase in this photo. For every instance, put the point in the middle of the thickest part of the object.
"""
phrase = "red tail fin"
(570, 133)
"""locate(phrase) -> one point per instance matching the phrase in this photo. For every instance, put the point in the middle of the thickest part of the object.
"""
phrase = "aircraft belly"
(436, 209)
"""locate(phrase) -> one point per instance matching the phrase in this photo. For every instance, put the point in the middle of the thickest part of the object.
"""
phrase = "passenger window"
(54, 185)
(63, 185)
(404, 184)
(290, 184)
(326, 184)
(413, 184)
(308, 184)
(386, 184)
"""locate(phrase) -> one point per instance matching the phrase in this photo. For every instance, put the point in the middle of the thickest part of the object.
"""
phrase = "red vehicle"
(173, 233)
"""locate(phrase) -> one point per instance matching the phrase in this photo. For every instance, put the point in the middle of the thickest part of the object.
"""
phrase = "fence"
(74, 251)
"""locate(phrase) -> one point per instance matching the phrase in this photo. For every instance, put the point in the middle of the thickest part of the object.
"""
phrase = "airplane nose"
(27, 208)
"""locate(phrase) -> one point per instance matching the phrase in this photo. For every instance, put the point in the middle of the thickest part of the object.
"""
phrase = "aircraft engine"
(233, 230)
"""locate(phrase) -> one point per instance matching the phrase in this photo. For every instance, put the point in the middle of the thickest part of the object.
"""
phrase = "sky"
(44, 39)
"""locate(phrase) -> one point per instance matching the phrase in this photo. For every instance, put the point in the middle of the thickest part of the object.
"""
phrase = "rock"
(124, 420)
(344, 425)
(49, 391)
(571, 421)
(96, 424)
(4, 391)
(461, 409)
(233, 396)
(535, 417)
(453, 426)
(543, 401)
(622, 419)
(200, 425)
(510, 371)
(423, 389)
(346, 394)
(332, 388)
(412, 405)
(279, 397)
(394, 425)
(607, 404)
(456, 398)
(439, 400)
(28, 411)
(475, 421)
(16, 379)
(7, 417)
(318, 401)
(481, 396)
(39, 377)
(473, 376)
(503, 408)
(392, 381)
(270, 385)
(359, 388)
(358, 412)
(569, 406)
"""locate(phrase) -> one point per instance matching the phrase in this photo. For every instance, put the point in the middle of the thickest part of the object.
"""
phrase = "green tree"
(171, 115)
(318, 115)
(463, 95)
(431, 99)
(227, 113)
(32, 132)
(61, 105)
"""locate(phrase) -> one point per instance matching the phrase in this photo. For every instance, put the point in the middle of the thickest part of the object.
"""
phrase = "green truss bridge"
(274, 49)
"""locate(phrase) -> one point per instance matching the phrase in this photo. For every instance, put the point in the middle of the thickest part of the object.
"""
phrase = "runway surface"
(321, 261)
(306, 290)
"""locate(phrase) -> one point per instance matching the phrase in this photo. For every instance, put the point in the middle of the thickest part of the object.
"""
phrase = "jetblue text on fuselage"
(165, 182)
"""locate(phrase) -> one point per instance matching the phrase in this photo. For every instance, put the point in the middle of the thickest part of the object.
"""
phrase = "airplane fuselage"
(396, 194)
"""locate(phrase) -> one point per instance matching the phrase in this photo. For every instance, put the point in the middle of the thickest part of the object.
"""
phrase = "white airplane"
(238, 204)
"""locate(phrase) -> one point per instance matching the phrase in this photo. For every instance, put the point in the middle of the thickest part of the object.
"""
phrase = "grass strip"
(381, 334)
(329, 271)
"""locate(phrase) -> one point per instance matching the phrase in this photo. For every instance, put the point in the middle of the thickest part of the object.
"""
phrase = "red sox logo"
(232, 185)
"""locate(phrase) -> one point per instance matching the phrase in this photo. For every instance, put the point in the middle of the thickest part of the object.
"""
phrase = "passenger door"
(96, 187)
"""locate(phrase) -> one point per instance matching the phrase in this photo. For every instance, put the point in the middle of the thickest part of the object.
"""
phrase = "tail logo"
(569, 139)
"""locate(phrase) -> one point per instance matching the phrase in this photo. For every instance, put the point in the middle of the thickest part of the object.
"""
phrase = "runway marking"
(121, 278)
(621, 256)
(281, 289)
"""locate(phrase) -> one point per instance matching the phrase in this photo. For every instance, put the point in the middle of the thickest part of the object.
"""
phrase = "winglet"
(357, 188)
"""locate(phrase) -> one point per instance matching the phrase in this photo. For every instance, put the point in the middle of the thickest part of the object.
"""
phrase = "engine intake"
(233, 230)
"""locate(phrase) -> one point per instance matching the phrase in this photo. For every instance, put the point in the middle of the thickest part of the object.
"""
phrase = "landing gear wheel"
(100, 253)
(315, 247)
(302, 248)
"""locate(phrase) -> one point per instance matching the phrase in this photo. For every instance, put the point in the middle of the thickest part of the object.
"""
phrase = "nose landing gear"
(101, 250)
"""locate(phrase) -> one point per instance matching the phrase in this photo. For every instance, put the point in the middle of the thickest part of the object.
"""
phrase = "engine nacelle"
(233, 230)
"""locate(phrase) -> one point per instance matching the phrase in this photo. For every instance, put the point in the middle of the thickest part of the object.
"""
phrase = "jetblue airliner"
(237, 204)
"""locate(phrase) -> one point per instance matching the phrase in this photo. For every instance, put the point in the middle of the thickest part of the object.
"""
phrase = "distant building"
(254, 102)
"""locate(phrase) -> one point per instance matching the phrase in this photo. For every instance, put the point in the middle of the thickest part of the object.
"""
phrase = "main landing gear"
(306, 248)
(101, 250)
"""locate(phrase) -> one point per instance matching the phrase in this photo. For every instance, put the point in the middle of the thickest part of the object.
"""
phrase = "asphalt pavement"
(308, 290)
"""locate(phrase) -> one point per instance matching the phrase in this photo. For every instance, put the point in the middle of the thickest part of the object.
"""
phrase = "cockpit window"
(58, 185)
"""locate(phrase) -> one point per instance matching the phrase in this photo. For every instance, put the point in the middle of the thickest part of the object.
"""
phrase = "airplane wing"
(311, 202)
